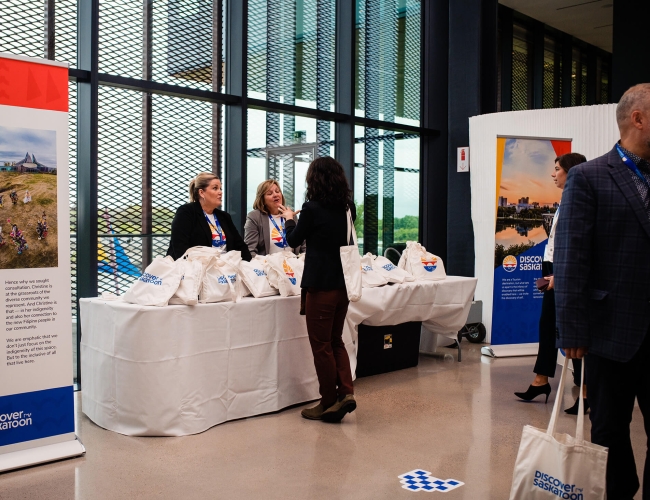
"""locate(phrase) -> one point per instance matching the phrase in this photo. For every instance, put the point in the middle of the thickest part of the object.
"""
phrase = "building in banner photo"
(526, 201)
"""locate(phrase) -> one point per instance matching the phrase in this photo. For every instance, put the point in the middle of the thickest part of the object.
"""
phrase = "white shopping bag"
(254, 277)
(551, 465)
(421, 264)
(233, 259)
(370, 278)
(190, 284)
(390, 271)
(284, 272)
(217, 284)
(351, 263)
(157, 284)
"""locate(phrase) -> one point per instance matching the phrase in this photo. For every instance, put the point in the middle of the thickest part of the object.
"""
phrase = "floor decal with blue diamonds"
(422, 480)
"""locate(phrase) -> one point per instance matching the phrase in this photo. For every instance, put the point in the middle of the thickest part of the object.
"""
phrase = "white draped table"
(178, 370)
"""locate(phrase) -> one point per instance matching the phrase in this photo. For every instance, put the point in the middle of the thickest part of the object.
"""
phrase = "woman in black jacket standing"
(323, 226)
(202, 223)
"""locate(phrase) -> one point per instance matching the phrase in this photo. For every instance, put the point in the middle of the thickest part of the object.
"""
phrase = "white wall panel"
(593, 131)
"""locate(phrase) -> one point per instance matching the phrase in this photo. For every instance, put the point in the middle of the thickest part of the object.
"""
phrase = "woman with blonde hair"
(265, 232)
(201, 222)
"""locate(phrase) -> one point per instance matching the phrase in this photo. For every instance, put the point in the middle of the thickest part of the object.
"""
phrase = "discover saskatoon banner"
(526, 199)
(36, 392)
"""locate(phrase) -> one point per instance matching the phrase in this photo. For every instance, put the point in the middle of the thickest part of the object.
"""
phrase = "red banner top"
(33, 85)
(561, 147)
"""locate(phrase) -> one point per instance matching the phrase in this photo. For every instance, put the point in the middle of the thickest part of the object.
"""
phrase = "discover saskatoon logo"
(556, 487)
(14, 420)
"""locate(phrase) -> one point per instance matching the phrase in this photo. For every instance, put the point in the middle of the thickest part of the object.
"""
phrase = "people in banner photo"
(201, 222)
(28, 197)
(18, 239)
(2, 240)
(323, 226)
(265, 231)
(602, 277)
(14, 197)
(547, 352)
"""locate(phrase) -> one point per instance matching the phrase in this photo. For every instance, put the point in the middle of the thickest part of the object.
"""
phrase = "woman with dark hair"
(323, 226)
(201, 222)
(547, 352)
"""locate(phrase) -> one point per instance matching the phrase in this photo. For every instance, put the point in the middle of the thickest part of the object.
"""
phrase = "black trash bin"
(382, 349)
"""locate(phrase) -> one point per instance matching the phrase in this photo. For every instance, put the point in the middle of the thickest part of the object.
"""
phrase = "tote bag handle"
(580, 425)
(352, 233)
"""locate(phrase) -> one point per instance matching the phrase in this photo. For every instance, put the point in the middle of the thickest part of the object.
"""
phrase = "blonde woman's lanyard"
(281, 231)
(217, 229)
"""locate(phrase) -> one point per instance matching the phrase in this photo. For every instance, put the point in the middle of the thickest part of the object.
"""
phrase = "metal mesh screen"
(183, 133)
(392, 160)
(551, 75)
(521, 74)
(72, 152)
(119, 193)
(65, 31)
(388, 60)
(169, 41)
(23, 27)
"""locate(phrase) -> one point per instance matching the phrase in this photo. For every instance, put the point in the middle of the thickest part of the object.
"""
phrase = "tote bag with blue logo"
(157, 284)
(551, 465)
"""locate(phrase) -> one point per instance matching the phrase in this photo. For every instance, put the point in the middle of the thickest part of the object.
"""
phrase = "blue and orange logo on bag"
(429, 264)
(289, 272)
(276, 238)
(509, 263)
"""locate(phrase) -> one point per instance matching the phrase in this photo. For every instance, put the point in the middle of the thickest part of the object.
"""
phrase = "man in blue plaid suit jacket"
(602, 283)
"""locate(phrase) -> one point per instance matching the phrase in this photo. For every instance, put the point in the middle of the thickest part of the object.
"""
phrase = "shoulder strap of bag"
(558, 403)
(352, 233)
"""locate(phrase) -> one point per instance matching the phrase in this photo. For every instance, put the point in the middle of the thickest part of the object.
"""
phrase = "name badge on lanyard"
(632, 166)
(216, 229)
(282, 232)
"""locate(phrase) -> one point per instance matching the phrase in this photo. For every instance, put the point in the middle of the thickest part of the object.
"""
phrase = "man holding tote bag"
(602, 283)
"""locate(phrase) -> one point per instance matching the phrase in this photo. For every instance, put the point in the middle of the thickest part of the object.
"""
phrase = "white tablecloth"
(178, 370)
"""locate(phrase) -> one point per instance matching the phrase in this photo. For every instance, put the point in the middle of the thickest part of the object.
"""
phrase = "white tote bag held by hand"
(551, 466)
(351, 262)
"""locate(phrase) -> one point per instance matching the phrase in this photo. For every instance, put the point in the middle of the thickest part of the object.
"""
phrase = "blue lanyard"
(632, 166)
(222, 239)
(282, 231)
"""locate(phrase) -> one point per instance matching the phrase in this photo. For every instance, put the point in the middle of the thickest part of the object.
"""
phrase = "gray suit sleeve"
(252, 234)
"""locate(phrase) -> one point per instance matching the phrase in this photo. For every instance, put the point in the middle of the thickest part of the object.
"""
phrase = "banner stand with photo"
(37, 423)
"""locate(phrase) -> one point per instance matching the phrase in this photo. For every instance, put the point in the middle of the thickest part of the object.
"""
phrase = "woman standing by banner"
(547, 352)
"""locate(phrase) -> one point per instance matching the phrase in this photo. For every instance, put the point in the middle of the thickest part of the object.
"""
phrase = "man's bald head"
(636, 98)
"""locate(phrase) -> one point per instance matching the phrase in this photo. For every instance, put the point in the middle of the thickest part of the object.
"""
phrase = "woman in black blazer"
(323, 226)
(201, 223)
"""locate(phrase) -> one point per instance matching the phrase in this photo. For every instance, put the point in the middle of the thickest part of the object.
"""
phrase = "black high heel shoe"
(534, 391)
(574, 409)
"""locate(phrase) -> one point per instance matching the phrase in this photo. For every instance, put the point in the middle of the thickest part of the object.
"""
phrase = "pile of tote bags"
(205, 275)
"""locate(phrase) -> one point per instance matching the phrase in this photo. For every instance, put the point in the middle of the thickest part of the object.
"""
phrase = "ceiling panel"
(589, 20)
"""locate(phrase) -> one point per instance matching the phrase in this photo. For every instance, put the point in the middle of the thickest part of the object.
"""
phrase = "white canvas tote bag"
(351, 263)
(217, 285)
(421, 264)
(370, 278)
(254, 277)
(551, 465)
(284, 273)
(233, 259)
(390, 271)
(157, 284)
(190, 284)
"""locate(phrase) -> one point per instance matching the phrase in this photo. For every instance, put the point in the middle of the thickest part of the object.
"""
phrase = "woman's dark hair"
(570, 160)
(326, 183)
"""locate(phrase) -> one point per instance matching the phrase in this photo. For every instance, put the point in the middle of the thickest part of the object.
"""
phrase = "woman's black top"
(324, 230)
(190, 229)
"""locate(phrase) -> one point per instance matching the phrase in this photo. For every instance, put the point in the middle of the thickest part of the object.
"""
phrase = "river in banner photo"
(515, 236)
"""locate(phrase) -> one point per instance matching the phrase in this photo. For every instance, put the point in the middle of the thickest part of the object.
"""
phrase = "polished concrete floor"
(457, 420)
